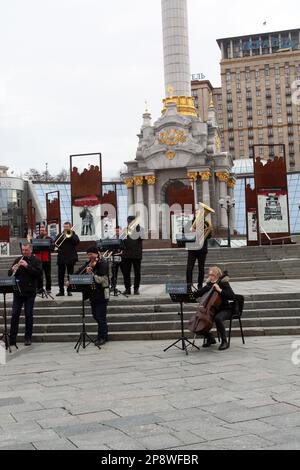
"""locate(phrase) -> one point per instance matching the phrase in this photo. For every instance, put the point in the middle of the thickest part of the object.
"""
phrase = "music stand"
(179, 293)
(115, 246)
(7, 286)
(38, 245)
(82, 283)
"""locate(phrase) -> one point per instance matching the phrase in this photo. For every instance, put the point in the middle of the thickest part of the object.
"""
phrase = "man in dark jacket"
(66, 257)
(45, 257)
(99, 293)
(223, 287)
(132, 256)
(27, 270)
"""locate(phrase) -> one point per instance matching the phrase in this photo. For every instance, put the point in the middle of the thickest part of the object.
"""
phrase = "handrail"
(271, 239)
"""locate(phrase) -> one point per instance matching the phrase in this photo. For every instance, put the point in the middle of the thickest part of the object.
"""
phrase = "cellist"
(224, 311)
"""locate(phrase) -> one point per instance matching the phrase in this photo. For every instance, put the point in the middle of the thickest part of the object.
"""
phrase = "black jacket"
(100, 290)
(67, 253)
(226, 294)
(27, 278)
(133, 247)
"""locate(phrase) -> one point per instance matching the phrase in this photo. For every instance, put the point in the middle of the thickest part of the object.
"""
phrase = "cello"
(203, 321)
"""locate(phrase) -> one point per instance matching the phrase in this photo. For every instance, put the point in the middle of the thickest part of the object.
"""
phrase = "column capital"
(151, 180)
(222, 177)
(205, 175)
(129, 183)
(138, 180)
(192, 175)
(231, 182)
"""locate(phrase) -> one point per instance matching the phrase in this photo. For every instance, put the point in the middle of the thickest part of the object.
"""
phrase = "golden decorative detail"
(212, 105)
(138, 180)
(231, 182)
(222, 177)
(185, 105)
(192, 175)
(218, 143)
(172, 137)
(170, 90)
(151, 180)
(205, 175)
(129, 183)
(171, 155)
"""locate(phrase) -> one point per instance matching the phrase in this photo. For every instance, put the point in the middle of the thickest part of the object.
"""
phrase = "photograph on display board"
(108, 227)
(252, 225)
(87, 222)
(181, 222)
(53, 230)
(273, 211)
(4, 249)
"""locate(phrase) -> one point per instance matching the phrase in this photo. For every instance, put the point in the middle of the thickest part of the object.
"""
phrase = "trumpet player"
(99, 295)
(27, 271)
(66, 256)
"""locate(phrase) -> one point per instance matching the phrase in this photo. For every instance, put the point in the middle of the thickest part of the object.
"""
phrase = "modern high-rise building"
(258, 102)
(260, 75)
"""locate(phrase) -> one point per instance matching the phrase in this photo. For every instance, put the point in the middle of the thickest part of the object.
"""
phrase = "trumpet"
(63, 236)
(107, 255)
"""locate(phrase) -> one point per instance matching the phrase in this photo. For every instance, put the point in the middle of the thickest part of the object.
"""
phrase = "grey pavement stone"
(133, 393)
(14, 445)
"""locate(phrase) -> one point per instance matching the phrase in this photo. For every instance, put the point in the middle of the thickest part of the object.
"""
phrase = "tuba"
(128, 231)
(207, 224)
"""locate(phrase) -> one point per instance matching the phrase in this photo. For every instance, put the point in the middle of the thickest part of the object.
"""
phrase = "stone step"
(164, 335)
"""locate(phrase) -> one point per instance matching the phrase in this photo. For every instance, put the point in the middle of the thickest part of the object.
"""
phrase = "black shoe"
(27, 342)
(224, 345)
(13, 343)
(100, 342)
(208, 341)
(70, 294)
(136, 292)
(126, 292)
(60, 294)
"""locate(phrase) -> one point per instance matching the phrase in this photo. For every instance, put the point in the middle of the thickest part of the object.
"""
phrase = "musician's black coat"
(67, 253)
(133, 247)
(27, 278)
(226, 294)
(97, 294)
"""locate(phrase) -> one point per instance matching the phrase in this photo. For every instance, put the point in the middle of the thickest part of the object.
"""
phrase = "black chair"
(237, 310)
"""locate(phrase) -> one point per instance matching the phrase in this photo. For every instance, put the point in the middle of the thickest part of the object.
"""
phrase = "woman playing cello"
(221, 285)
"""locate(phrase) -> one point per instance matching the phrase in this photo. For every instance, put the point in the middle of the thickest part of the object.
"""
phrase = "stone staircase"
(139, 318)
(146, 318)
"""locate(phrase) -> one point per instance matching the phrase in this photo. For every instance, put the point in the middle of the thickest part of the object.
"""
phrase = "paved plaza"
(132, 395)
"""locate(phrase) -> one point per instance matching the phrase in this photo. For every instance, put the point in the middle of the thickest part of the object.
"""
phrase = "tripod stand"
(177, 295)
(84, 339)
(82, 283)
(114, 271)
(7, 285)
(44, 294)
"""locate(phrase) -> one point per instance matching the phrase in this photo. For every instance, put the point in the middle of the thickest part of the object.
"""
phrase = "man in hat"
(99, 293)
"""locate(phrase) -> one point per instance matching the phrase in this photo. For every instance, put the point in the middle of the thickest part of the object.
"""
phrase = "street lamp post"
(228, 204)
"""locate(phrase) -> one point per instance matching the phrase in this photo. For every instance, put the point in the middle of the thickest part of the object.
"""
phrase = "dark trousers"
(61, 275)
(127, 263)
(47, 271)
(192, 257)
(114, 274)
(99, 312)
(220, 317)
(18, 303)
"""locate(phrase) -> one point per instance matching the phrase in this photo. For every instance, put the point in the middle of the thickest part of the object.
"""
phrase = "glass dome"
(243, 166)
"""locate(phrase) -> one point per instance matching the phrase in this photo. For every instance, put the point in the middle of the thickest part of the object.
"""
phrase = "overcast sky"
(74, 74)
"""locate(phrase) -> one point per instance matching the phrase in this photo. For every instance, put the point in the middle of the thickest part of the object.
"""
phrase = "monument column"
(205, 176)
(193, 176)
(152, 208)
(130, 195)
(223, 178)
(139, 181)
(231, 185)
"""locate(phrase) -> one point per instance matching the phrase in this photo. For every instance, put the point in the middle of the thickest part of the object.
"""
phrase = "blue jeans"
(99, 311)
(18, 302)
